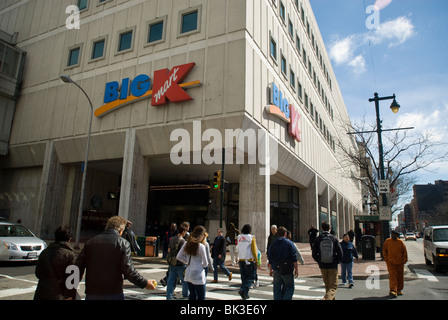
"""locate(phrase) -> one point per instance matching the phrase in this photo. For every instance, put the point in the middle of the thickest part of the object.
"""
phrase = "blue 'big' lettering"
(137, 88)
(279, 101)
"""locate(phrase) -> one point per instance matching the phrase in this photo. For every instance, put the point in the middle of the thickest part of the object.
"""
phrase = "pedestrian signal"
(217, 180)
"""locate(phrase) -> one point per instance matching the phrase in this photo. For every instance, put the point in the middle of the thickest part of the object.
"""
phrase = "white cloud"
(344, 51)
(395, 31)
(358, 64)
(431, 120)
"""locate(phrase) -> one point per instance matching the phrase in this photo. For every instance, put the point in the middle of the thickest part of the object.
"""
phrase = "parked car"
(435, 246)
(17, 243)
(410, 236)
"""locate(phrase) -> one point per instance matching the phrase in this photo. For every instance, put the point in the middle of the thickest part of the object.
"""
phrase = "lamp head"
(395, 106)
(66, 79)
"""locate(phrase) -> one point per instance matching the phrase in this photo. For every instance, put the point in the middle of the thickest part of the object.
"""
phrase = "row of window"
(189, 23)
(294, 82)
(301, 51)
(304, 19)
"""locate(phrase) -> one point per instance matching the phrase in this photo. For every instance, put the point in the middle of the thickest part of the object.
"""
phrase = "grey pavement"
(361, 268)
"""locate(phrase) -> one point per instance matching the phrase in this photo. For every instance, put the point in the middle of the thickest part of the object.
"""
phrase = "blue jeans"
(346, 272)
(174, 273)
(248, 274)
(116, 296)
(219, 262)
(283, 286)
(197, 292)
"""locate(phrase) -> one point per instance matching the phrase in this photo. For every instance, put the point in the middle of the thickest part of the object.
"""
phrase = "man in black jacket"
(219, 256)
(329, 269)
(107, 258)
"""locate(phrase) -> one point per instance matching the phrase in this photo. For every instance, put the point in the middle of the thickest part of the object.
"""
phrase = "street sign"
(385, 214)
(383, 186)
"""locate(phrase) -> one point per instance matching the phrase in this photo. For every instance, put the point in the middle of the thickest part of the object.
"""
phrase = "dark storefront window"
(285, 208)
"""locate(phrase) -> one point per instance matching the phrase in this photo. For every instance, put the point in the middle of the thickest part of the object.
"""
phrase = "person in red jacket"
(395, 255)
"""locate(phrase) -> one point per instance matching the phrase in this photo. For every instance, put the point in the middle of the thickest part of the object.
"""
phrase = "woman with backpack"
(194, 255)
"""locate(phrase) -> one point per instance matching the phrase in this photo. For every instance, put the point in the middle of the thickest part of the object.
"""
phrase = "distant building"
(430, 204)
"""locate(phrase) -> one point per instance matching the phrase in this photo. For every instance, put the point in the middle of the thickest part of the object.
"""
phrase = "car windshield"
(440, 235)
(14, 231)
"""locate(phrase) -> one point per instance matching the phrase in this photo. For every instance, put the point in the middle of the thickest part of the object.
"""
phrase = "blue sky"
(407, 54)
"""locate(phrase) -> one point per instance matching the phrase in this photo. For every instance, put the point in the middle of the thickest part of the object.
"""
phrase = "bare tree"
(405, 153)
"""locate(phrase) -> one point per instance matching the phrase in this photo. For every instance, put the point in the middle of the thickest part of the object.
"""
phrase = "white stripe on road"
(15, 292)
(18, 279)
(425, 274)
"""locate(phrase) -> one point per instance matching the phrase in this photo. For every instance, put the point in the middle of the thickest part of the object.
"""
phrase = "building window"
(9, 60)
(282, 12)
(98, 49)
(73, 57)
(189, 21)
(292, 78)
(273, 49)
(125, 41)
(156, 32)
(298, 44)
(299, 89)
(307, 104)
(83, 4)
(284, 67)
(291, 29)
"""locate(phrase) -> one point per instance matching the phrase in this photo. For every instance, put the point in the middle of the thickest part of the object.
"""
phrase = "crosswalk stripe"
(16, 291)
(425, 274)
(227, 290)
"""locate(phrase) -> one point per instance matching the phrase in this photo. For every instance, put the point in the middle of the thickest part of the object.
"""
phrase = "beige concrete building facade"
(260, 67)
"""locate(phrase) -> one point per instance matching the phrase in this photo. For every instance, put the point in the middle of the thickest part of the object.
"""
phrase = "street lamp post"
(394, 107)
(67, 79)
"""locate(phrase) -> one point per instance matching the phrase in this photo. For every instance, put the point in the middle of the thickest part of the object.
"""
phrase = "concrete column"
(134, 184)
(340, 214)
(254, 202)
(52, 191)
(308, 209)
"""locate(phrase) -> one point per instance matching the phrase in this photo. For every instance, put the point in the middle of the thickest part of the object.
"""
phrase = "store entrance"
(176, 205)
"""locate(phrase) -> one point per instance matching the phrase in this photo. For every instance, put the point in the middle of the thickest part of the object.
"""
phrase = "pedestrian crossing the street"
(228, 290)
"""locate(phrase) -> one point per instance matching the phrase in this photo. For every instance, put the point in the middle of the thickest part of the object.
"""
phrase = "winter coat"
(51, 272)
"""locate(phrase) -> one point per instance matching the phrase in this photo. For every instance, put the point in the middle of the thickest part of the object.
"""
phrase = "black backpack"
(326, 249)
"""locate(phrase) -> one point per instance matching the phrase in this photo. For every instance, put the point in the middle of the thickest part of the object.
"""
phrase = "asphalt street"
(18, 282)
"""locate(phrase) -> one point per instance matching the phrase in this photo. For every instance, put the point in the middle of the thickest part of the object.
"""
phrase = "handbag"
(285, 267)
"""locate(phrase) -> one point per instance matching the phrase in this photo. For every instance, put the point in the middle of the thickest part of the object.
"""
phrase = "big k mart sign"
(282, 109)
(167, 85)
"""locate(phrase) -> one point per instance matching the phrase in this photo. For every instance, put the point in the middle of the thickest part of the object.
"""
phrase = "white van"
(435, 246)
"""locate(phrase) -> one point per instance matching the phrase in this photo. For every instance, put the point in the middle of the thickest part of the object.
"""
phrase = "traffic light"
(217, 180)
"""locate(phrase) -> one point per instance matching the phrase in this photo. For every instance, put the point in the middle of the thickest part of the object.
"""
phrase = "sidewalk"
(309, 269)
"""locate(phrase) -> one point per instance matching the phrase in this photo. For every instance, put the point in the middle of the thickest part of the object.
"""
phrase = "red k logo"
(166, 85)
(293, 127)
